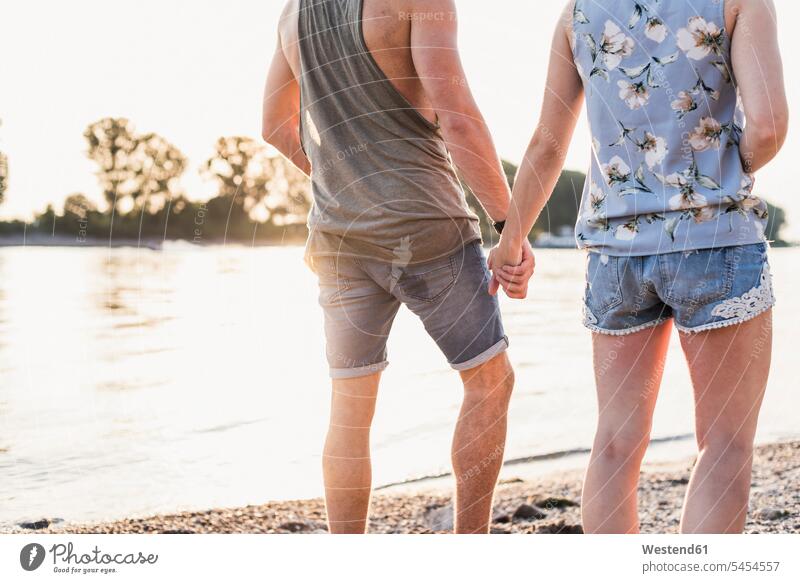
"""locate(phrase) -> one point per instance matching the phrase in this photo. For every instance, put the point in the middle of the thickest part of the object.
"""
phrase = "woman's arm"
(758, 69)
(544, 160)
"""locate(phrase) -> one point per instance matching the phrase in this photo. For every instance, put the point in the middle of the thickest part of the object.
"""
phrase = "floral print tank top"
(665, 117)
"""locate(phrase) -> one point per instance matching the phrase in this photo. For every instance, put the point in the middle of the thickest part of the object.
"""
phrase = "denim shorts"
(361, 297)
(702, 290)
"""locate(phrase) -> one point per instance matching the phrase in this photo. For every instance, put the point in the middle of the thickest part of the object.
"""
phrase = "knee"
(726, 444)
(622, 445)
(493, 380)
(506, 380)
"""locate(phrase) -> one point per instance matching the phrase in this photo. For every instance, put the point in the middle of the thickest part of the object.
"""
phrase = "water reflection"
(135, 381)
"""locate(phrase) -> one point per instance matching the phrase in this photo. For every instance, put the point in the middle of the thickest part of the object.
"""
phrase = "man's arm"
(434, 47)
(759, 73)
(281, 111)
(544, 158)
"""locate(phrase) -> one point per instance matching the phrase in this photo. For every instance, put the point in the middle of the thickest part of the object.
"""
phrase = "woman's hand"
(512, 270)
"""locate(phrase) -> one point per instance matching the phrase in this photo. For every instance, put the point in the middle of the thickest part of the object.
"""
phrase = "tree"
(133, 167)
(78, 206)
(112, 142)
(777, 220)
(242, 171)
(159, 166)
(288, 193)
(3, 175)
(562, 209)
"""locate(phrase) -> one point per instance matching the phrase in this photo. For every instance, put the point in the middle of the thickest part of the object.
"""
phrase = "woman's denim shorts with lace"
(701, 290)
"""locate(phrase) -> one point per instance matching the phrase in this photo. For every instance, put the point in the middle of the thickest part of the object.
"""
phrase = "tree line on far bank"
(3, 174)
(259, 198)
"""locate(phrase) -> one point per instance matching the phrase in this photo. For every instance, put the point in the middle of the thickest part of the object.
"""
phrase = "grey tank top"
(666, 171)
(383, 183)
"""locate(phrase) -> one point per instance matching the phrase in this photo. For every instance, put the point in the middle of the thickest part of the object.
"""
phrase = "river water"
(139, 381)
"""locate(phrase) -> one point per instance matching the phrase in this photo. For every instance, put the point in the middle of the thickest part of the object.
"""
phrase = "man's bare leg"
(628, 371)
(346, 459)
(479, 442)
(729, 369)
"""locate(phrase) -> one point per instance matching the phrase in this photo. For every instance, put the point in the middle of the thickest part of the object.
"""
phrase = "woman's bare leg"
(628, 371)
(729, 369)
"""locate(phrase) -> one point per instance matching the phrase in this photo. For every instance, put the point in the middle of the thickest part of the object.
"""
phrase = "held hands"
(512, 269)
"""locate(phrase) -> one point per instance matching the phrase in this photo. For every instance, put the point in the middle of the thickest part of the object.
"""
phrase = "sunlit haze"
(194, 71)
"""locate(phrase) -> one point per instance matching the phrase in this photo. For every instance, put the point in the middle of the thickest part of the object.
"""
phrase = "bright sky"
(194, 70)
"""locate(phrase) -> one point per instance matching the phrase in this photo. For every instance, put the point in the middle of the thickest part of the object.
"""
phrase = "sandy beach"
(550, 505)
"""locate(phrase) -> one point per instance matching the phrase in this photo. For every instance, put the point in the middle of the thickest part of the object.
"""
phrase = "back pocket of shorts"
(603, 290)
(697, 278)
(428, 283)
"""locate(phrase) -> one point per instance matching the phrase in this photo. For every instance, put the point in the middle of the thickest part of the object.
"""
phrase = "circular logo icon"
(31, 556)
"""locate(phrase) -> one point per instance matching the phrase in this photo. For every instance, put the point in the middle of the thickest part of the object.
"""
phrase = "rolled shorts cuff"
(357, 372)
(483, 357)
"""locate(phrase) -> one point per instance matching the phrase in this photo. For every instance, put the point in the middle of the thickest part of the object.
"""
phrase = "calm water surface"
(136, 381)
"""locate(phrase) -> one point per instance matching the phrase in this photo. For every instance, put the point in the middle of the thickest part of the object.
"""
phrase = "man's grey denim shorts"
(701, 290)
(361, 297)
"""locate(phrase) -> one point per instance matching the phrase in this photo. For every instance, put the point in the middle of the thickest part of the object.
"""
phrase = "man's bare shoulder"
(290, 9)
(289, 15)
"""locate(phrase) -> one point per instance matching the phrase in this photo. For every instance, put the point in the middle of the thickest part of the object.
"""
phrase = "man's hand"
(511, 270)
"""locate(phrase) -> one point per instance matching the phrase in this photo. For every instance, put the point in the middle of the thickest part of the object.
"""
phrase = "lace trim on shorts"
(752, 303)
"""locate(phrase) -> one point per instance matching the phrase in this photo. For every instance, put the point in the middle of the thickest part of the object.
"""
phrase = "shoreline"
(660, 450)
(543, 505)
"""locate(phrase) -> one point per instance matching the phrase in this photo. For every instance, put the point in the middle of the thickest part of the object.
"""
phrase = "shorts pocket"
(698, 278)
(332, 283)
(428, 282)
(603, 289)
